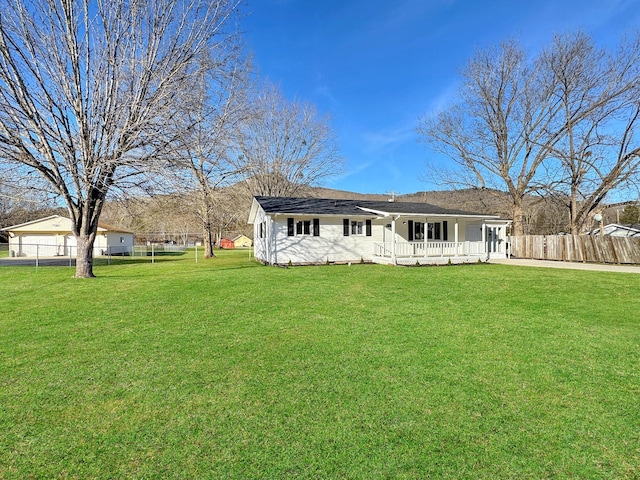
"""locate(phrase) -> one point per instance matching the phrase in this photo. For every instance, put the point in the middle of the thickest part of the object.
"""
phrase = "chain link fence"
(64, 255)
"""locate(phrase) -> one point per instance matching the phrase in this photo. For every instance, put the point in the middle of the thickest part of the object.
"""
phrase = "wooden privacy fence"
(576, 248)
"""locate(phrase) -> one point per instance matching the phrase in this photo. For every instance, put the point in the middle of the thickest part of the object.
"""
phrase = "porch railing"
(428, 249)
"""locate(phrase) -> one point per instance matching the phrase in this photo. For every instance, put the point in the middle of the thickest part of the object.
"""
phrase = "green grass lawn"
(229, 369)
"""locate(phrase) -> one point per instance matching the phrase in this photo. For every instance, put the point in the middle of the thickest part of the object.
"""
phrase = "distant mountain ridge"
(485, 201)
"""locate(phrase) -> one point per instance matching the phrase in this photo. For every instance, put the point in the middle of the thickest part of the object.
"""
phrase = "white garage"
(52, 236)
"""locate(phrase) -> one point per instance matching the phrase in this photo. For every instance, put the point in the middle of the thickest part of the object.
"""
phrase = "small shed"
(227, 243)
(53, 236)
(242, 241)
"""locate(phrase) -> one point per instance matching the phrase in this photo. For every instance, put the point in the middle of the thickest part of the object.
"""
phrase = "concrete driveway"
(597, 267)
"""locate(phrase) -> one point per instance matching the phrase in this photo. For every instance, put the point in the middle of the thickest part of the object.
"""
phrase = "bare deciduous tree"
(534, 126)
(86, 87)
(203, 151)
(600, 99)
(498, 134)
(286, 146)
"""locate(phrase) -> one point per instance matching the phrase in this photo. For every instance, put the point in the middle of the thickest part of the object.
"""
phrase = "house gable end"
(52, 223)
(57, 224)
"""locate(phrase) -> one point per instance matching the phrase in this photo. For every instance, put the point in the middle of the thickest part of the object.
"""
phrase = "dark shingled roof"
(328, 206)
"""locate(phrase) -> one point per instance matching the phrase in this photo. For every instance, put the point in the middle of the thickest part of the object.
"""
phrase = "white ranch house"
(317, 230)
(53, 236)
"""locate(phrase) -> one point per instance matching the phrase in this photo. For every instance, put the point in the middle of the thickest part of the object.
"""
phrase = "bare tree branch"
(286, 146)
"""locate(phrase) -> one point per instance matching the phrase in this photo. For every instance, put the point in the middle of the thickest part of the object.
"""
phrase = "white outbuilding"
(53, 236)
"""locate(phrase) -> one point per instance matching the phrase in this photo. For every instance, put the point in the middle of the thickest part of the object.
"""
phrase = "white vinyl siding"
(331, 244)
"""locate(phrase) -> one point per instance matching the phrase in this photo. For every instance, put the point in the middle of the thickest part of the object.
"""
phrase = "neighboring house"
(315, 230)
(242, 241)
(618, 230)
(227, 243)
(53, 236)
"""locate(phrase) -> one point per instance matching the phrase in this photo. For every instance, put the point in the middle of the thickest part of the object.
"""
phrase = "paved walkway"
(598, 267)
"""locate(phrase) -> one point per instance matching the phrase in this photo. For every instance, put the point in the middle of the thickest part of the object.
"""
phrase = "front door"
(492, 239)
(386, 235)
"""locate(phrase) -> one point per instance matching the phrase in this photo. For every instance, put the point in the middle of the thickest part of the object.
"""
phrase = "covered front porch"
(435, 240)
(428, 253)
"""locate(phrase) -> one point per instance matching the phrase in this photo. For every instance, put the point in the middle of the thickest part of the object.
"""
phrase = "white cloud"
(381, 142)
(444, 99)
(325, 92)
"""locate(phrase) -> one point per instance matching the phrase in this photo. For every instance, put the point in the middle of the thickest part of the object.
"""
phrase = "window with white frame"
(356, 227)
(418, 230)
(303, 227)
(433, 231)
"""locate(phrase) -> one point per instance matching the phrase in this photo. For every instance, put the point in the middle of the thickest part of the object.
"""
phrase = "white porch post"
(393, 239)
(455, 236)
(425, 235)
(484, 238)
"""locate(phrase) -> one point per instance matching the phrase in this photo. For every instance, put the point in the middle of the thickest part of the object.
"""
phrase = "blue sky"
(376, 66)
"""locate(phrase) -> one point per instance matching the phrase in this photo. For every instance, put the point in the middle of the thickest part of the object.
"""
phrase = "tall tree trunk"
(573, 211)
(208, 241)
(84, 258)
(206, 209)
(518, 224)
(84, 217)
